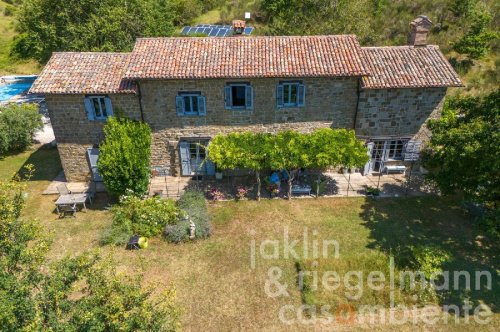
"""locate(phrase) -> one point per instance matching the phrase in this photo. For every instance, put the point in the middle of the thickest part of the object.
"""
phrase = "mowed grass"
(217, 286)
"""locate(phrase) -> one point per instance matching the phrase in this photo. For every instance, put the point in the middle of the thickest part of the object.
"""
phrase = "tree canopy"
(48, 26)
(287, 151)
(83, 293)
(464, 151)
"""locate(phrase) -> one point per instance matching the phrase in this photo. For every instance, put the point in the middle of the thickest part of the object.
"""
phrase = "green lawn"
(217, 287)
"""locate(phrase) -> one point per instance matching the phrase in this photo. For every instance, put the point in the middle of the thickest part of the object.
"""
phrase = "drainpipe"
(139, 95)
(358, 93)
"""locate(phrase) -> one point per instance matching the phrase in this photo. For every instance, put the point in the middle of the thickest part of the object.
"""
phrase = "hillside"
(7, 33)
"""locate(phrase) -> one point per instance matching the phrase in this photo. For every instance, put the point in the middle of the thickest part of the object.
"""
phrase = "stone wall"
(329, 102)
(398, 112)
(75, 133)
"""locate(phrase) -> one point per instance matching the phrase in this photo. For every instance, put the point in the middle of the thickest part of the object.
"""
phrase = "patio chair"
(63, 189)
(67, 210)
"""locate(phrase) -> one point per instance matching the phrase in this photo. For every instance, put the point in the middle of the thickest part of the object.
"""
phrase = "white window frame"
(192, 96)
(101, 100)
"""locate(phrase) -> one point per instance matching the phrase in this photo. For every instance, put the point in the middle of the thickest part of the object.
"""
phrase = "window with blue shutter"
(238, 96)
(98, 107)
(290, 94)
(190, 104)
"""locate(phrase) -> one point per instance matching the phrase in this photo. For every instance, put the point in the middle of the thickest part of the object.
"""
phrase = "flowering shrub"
(215, 194)
(242, 192)
(146, 217)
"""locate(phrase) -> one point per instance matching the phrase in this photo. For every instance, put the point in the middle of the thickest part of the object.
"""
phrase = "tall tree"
(464, 151)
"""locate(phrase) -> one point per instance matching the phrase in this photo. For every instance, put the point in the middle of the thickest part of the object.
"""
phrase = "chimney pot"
(238, 27)
(419, 28)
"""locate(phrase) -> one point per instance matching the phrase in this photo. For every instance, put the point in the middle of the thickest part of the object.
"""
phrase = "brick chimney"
(419, 28)
(238, 27)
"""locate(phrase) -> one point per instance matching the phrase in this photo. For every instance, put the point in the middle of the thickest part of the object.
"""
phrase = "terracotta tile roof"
(407, 67)
(74, 72)
(197, 58)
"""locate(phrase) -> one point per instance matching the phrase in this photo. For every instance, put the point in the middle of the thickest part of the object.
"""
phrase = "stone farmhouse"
(190, 89)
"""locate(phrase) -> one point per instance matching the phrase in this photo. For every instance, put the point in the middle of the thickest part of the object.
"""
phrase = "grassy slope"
(216, 288)
(7, 33)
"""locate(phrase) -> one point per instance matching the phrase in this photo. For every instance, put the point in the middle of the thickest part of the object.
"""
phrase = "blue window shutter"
(202, 107)
(89, 108)
(179, 104)
(185, 158)
(279, 95)
(249, 96)
(109, 106)
(301, 95)
(227, 97)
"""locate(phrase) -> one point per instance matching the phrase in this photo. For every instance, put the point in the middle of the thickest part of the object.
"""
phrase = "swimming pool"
(15, 88)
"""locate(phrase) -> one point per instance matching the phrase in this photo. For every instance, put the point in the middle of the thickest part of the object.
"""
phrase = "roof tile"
(76, 72)
(247, 57)
(407, 67)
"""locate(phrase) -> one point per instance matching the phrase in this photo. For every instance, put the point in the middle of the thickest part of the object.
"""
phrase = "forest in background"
(466, 30)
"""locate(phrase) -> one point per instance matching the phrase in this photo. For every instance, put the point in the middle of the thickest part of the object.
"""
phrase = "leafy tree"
(124, 159)
(476, 41)
(288, 151)
(18, 124)
(464, 151)
(333, 148)
(240, 150)
(83, 293)
(47, 26)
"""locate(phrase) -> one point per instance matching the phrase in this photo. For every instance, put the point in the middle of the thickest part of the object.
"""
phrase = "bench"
(395, 168)
(298, 189)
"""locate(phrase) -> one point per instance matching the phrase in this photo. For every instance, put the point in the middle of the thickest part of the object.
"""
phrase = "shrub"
(9, 11)
(178, 232)
(18, 124)
(194, 206)
(124, 156)
(146, 217)
(429, 259)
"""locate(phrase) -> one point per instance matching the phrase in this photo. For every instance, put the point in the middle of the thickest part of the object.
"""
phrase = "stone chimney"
(238, 27)
(419, 28)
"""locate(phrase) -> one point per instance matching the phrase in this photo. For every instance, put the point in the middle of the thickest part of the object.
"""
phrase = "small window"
(238, 96)
(290, 94)
(98, 107)
(190, 103)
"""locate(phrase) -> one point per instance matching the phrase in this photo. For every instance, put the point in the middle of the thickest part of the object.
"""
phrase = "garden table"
(71, 199)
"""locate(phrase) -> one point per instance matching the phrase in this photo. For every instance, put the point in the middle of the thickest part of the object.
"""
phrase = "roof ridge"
(251, 37)
(401, 46)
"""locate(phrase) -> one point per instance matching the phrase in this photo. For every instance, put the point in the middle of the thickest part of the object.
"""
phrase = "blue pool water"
(13, 89)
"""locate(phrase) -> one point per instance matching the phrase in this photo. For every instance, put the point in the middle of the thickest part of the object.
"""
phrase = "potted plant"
(241, 193)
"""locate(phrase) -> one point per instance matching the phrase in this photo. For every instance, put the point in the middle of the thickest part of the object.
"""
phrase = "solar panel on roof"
(227, 27)
(214, 32)
(222, 32)
(207, 30)
(248, 30)
(185, 30)
(199, 30)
